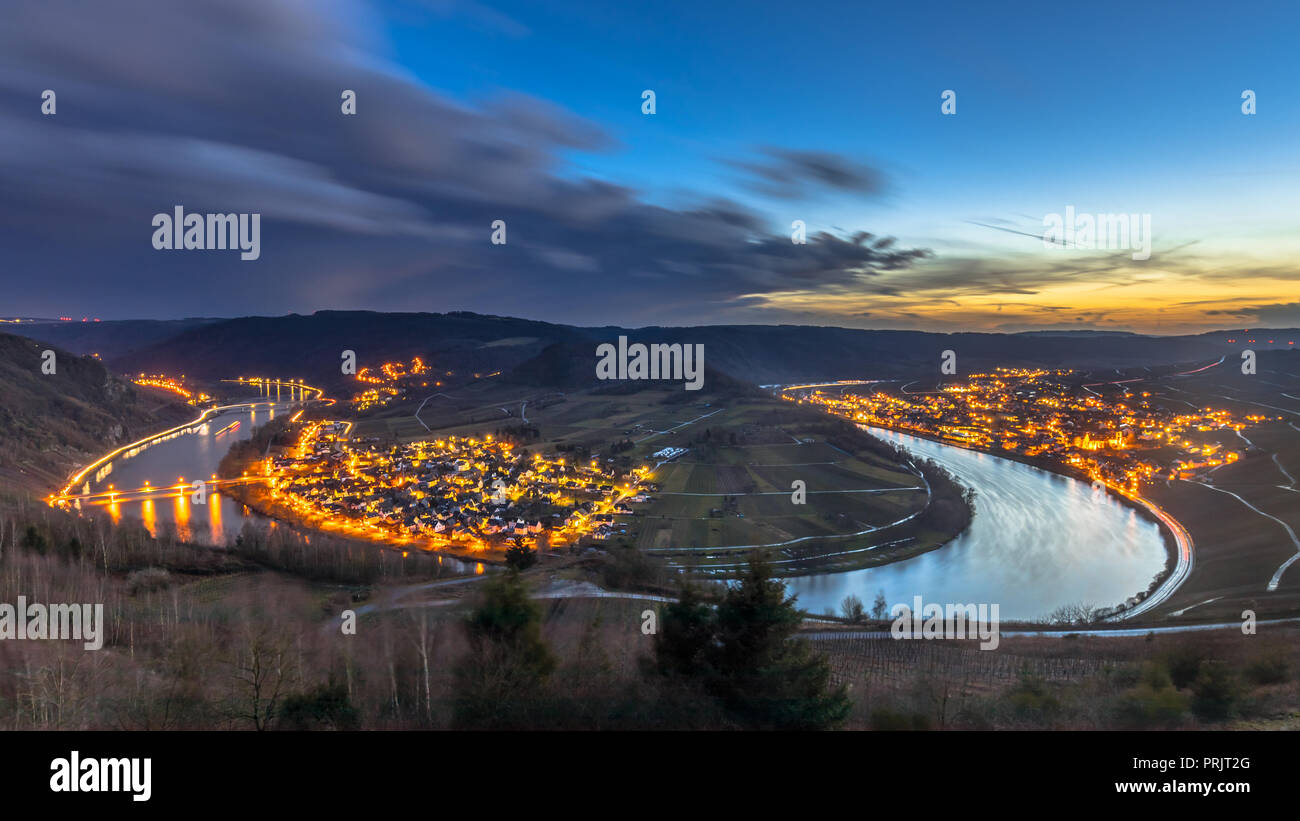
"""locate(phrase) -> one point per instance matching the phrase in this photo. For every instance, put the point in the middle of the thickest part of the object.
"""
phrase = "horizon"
(929, 172)
(1041, 331)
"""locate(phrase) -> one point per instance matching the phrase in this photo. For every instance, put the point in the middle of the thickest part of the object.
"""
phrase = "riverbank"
(255, 498)
(243, 459)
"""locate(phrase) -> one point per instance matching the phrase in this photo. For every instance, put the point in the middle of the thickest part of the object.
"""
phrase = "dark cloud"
(1276, 315)
(955, 277)
(233, 105)
(788, 174)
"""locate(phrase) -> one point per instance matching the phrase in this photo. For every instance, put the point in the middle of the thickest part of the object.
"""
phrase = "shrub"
(628, 568)
(1216, 692)
(1151, 704)
(1155, 676)
(1184, 664)
(1125, 676)
(1272, 669)
(325, 708)
(1032, 698)
(147, 580)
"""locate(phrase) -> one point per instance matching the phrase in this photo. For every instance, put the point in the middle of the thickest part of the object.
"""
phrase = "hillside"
(766, 354)
(110, 339)
(51, 423)
(573, 365)
(310, 347)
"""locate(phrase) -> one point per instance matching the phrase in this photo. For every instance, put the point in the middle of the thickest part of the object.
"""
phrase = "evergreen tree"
(745, 654)
(764, 676)
(502, 675)
(684, 642)
(520, 557)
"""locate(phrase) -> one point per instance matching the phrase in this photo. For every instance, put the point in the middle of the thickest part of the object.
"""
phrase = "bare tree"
(260, 675)
(852, 609)
(1076, 613)
(424, 643)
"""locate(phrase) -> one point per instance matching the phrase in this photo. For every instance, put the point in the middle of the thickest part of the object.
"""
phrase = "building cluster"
(475, 494)
(176, 386)
(1043, 414)
(397, 380)
(392, 381)
(668, 454)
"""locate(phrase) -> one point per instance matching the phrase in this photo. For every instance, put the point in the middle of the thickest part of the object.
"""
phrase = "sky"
(765, 113)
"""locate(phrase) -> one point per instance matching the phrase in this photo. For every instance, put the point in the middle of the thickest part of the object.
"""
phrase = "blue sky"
(1119, 107)
(1139, 105)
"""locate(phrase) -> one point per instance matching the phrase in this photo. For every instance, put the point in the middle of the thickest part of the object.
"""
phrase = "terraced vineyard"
(808, 503)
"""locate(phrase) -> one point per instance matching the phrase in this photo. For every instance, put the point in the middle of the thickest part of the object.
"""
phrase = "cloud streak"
(234, 106)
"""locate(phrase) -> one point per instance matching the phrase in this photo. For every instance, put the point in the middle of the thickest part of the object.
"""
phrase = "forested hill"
(52, 422)
(310, 347)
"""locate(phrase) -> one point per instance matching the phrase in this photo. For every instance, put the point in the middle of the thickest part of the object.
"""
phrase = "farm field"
(1239, 514)
(730, 492)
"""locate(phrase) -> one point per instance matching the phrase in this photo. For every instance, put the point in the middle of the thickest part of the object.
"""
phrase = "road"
(1125, 632)
(562, 589)
(682, 425)
(1277, 576)
(1185, 558)
(78, 477)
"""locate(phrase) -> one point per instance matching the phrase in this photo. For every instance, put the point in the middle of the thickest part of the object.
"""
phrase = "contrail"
(1021, 233)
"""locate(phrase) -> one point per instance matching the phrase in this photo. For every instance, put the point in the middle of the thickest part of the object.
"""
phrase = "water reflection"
(1038, 541)
(217, 534)
(195, 451)
(149, 515)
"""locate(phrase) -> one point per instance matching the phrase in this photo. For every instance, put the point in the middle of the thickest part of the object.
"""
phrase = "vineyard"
(886, 663)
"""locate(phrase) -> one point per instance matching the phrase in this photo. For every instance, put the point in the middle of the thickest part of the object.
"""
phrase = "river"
(1038, 541)
(190, 454)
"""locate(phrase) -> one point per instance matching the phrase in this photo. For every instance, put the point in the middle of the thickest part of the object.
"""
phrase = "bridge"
(112, 496)
(297, 389)
(130, 450)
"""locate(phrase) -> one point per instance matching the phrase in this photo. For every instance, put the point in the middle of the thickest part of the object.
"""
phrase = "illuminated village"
(466, 493)
(390, 382)
(173, 385)
(1037, 415)
(395, 381)
(457, 493)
